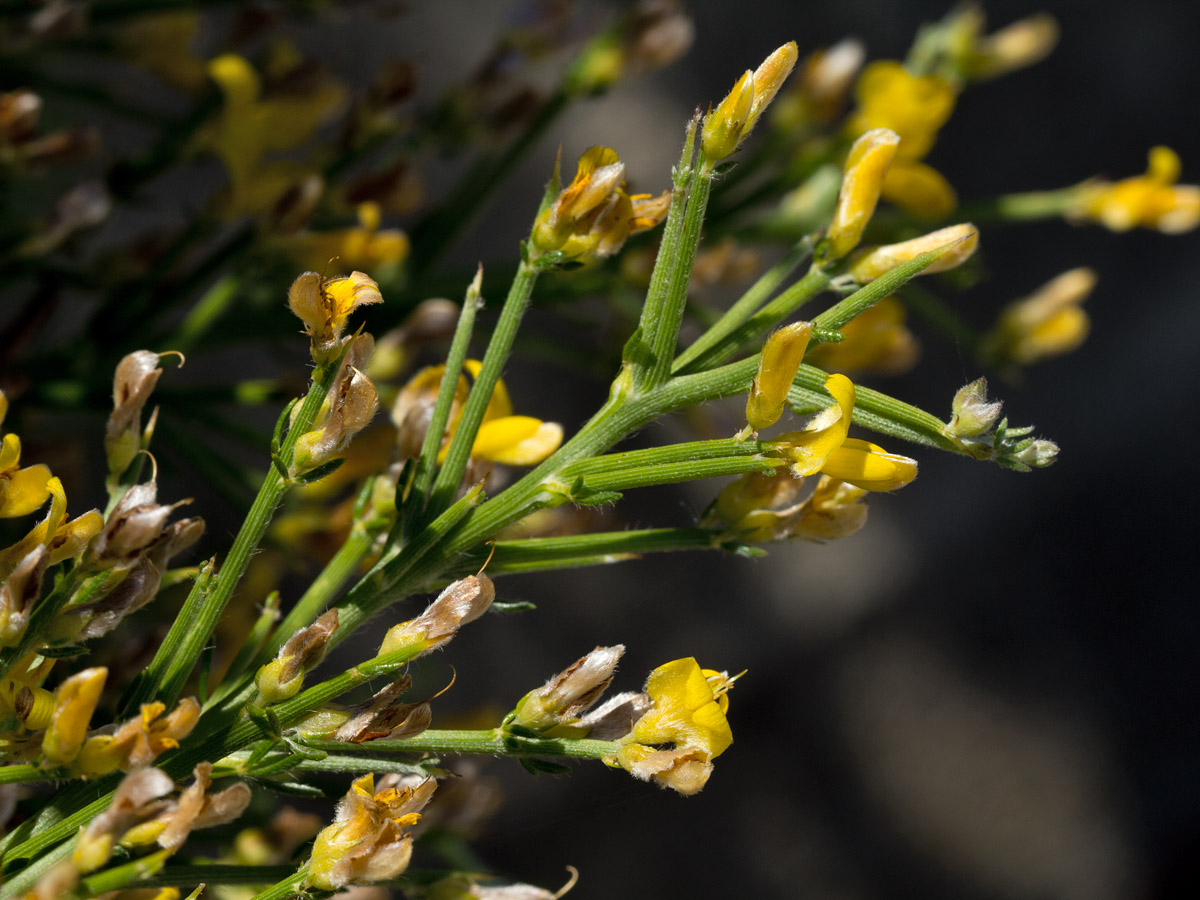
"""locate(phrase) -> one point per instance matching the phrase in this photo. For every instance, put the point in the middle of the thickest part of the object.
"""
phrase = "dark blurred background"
(991, 690)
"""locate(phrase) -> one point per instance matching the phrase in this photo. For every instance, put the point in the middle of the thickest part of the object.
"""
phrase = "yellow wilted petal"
(777, 367)
(920, 190)
(869, 466)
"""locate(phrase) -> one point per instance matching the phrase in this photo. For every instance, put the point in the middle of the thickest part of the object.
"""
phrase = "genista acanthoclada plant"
(107, 773)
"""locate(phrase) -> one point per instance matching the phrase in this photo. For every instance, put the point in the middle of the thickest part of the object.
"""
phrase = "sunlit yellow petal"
(869, 466)
(26, 491)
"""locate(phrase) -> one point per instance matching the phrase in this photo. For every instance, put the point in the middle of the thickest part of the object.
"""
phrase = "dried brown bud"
(133, 381)
(561, 699)
(18, 592)
(284, 676)
(352, 403)
(379, 718)
(614, 718)
(19, 113)
(136, 800)
(198, 809)
(463, 601)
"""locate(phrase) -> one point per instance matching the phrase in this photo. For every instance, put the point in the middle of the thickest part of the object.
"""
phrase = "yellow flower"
(688, 712)
(364, 246)
(914, 107)
(824, 447)
(735, 117)
(1153, 200)
(876, 341)
(689, 708)
(367, 841)
(866, 166)
(136, 743)
(249, 127)
(593, 216)
(324, 306)
(502, 437)
(63, 540)
(1049, 322)
(21, 490)
(777, 367)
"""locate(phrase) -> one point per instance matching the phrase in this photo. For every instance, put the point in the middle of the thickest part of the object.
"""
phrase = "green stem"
(524, 555)
(639, 355)
(450, 475)
(1026, 207)
(808, 287)
(201, 747)
(434, 434)
(670, 316)
(873, 410)
(25, 774)
(166, 675)
(746, 305)
(490, 742)
(287, 887)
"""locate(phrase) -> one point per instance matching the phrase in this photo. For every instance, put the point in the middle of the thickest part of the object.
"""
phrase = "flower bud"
(561, 699)
(777, 367)
(463, 601)
(353, 402)
(599, 174)
(74, 702)
(1035, 454)
(382, 717)
(735, 117)
(973, 412)
(1023, 43)
(954, 246)
(19, 591)
(866, 167)
(133, 382)
(1048, 323)
(723, 126)
(284, 676)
